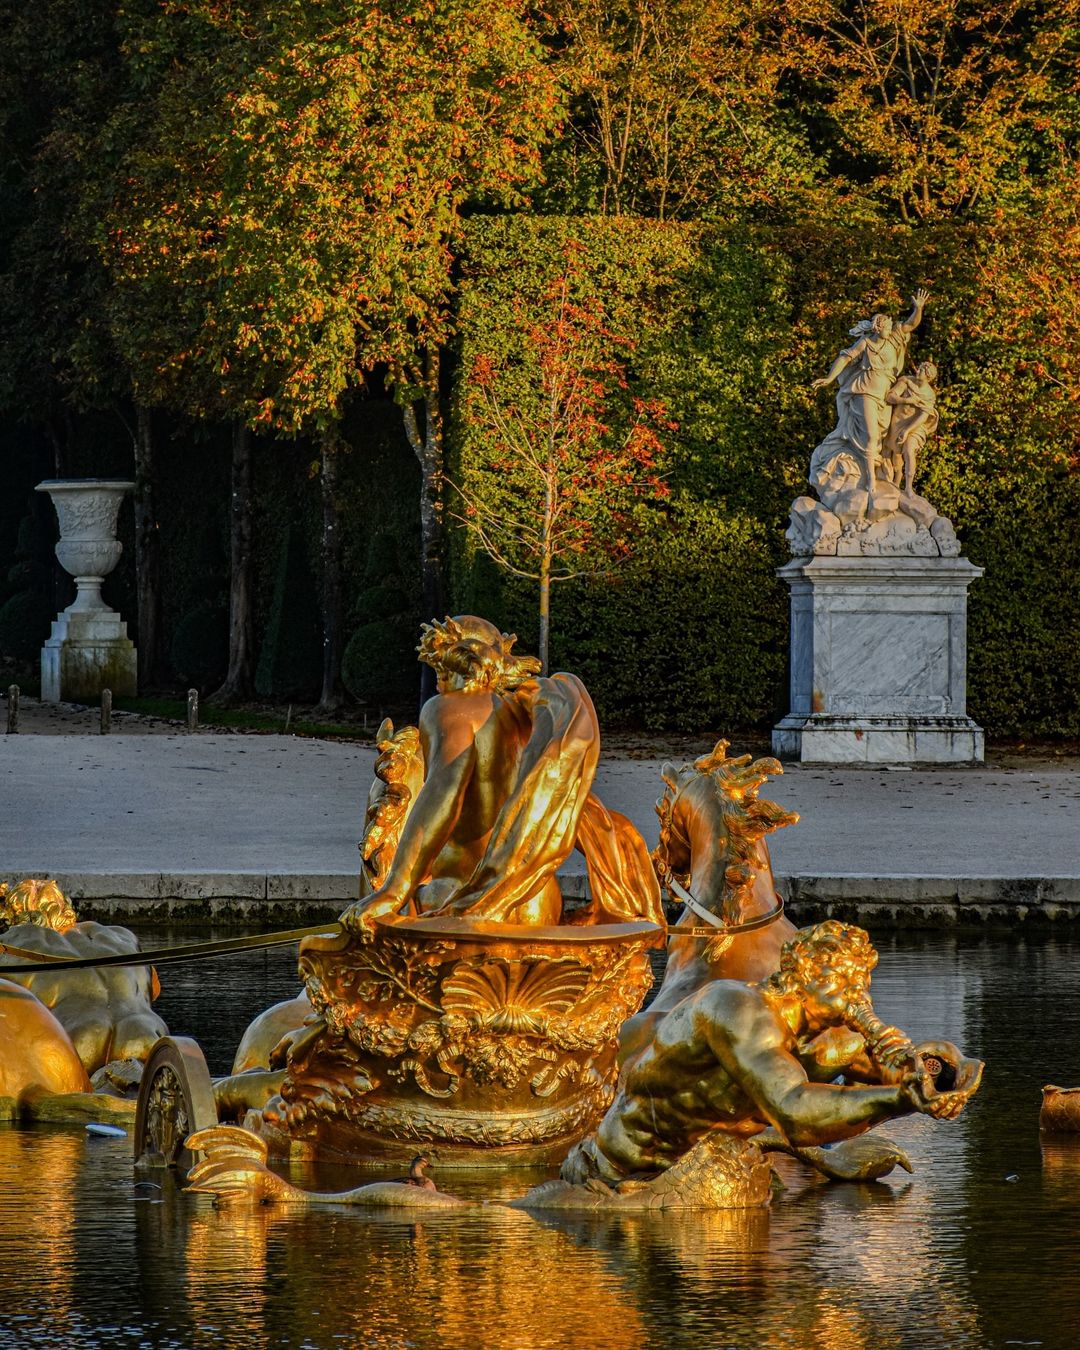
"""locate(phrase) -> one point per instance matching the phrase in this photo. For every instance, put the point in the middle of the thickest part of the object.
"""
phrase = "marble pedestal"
(88, 651)
(879, 662)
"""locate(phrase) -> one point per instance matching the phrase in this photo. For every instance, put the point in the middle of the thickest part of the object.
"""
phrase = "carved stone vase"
(490, 1044)
(89, 649)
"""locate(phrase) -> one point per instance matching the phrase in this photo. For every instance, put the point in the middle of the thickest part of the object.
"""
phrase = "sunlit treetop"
(298, 185)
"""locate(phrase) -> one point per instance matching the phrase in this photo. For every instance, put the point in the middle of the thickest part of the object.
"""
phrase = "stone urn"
(89, 649)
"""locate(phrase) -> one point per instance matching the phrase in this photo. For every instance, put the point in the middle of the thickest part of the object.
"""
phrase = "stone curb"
(1017, 892)
(282, 899)
(131, 888)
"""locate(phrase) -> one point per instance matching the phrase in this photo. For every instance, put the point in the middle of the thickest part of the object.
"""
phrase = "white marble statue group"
(864, 470)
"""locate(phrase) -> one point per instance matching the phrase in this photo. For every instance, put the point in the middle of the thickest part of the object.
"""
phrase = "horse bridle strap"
(717, 926)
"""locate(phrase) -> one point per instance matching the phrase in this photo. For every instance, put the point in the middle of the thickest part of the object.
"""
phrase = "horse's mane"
(747, 818)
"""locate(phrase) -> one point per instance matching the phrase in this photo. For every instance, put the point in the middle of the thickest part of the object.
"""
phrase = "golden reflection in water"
(818, 1272)
(225, 1259)
(48, 1243)
(1061, 1166)
(849, 1298)
(837, 1328)
(822, 1270)
(499, 1278)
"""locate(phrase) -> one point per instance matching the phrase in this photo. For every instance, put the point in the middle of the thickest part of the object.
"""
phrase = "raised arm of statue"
(918, 304)
(752, 1048)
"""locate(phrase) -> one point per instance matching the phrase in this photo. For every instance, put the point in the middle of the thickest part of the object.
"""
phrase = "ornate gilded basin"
(487, 1043)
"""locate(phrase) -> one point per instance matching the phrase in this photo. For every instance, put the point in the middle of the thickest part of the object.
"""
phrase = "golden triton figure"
(735, 1070)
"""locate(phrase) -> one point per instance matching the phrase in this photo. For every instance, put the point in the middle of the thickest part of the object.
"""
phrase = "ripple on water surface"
(955, 1256)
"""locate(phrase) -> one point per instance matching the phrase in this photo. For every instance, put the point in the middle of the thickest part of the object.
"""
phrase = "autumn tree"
(940, 106)
(676, 109)
(157, 153)
(315, 229)
(61, 82)
(573, 453)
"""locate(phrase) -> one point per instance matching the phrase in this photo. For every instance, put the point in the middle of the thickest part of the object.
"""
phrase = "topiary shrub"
(200, 646)
(379, 665)
(25, 623)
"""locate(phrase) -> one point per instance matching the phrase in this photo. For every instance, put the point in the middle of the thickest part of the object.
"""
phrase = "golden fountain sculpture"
(71, 1042)
(798, 1064)
(447, 1023)
(461, 1009)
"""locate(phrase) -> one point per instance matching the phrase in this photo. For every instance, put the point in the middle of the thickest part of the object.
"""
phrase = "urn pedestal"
(89, 649)
(879, 661)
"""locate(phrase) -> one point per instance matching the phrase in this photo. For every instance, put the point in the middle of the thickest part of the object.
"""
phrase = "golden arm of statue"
(808, 1113)
(449, 750)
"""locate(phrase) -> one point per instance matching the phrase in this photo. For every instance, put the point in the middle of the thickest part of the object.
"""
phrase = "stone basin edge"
(261, 900)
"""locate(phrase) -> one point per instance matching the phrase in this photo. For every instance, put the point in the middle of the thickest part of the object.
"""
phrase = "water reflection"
(49, 1245)
(954, 1257)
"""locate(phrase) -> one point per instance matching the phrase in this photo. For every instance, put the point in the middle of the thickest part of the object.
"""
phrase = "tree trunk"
(545, 612)
(545, 565)
(239, 680)
(331, 698)
(147, 552)
(430, 454)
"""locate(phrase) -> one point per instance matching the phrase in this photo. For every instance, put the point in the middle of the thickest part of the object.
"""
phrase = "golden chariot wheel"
(176, 1098)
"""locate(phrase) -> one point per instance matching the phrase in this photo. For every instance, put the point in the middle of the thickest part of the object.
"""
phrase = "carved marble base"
(87, 652)
(886, 740)
(879, 662)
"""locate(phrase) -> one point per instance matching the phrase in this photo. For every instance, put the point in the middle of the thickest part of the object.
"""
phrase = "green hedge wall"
(732, 326)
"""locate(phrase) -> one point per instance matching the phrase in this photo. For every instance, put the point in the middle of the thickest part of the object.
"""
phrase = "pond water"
(980, 1248)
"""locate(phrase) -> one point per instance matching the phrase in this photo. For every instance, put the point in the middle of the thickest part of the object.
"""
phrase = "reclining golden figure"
(493, 794)
(59, 1028)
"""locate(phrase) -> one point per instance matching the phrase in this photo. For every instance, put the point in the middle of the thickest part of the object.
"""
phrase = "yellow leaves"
(944, 94)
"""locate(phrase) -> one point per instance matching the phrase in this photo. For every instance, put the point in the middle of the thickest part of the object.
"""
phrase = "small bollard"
(192, 710)
(12, 709)
(106, 711)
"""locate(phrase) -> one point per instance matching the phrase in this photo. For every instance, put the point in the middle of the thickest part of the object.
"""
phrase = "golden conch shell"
(514, 998)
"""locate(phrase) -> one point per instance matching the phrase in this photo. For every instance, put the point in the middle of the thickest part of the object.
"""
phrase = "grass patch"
(268, 720)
